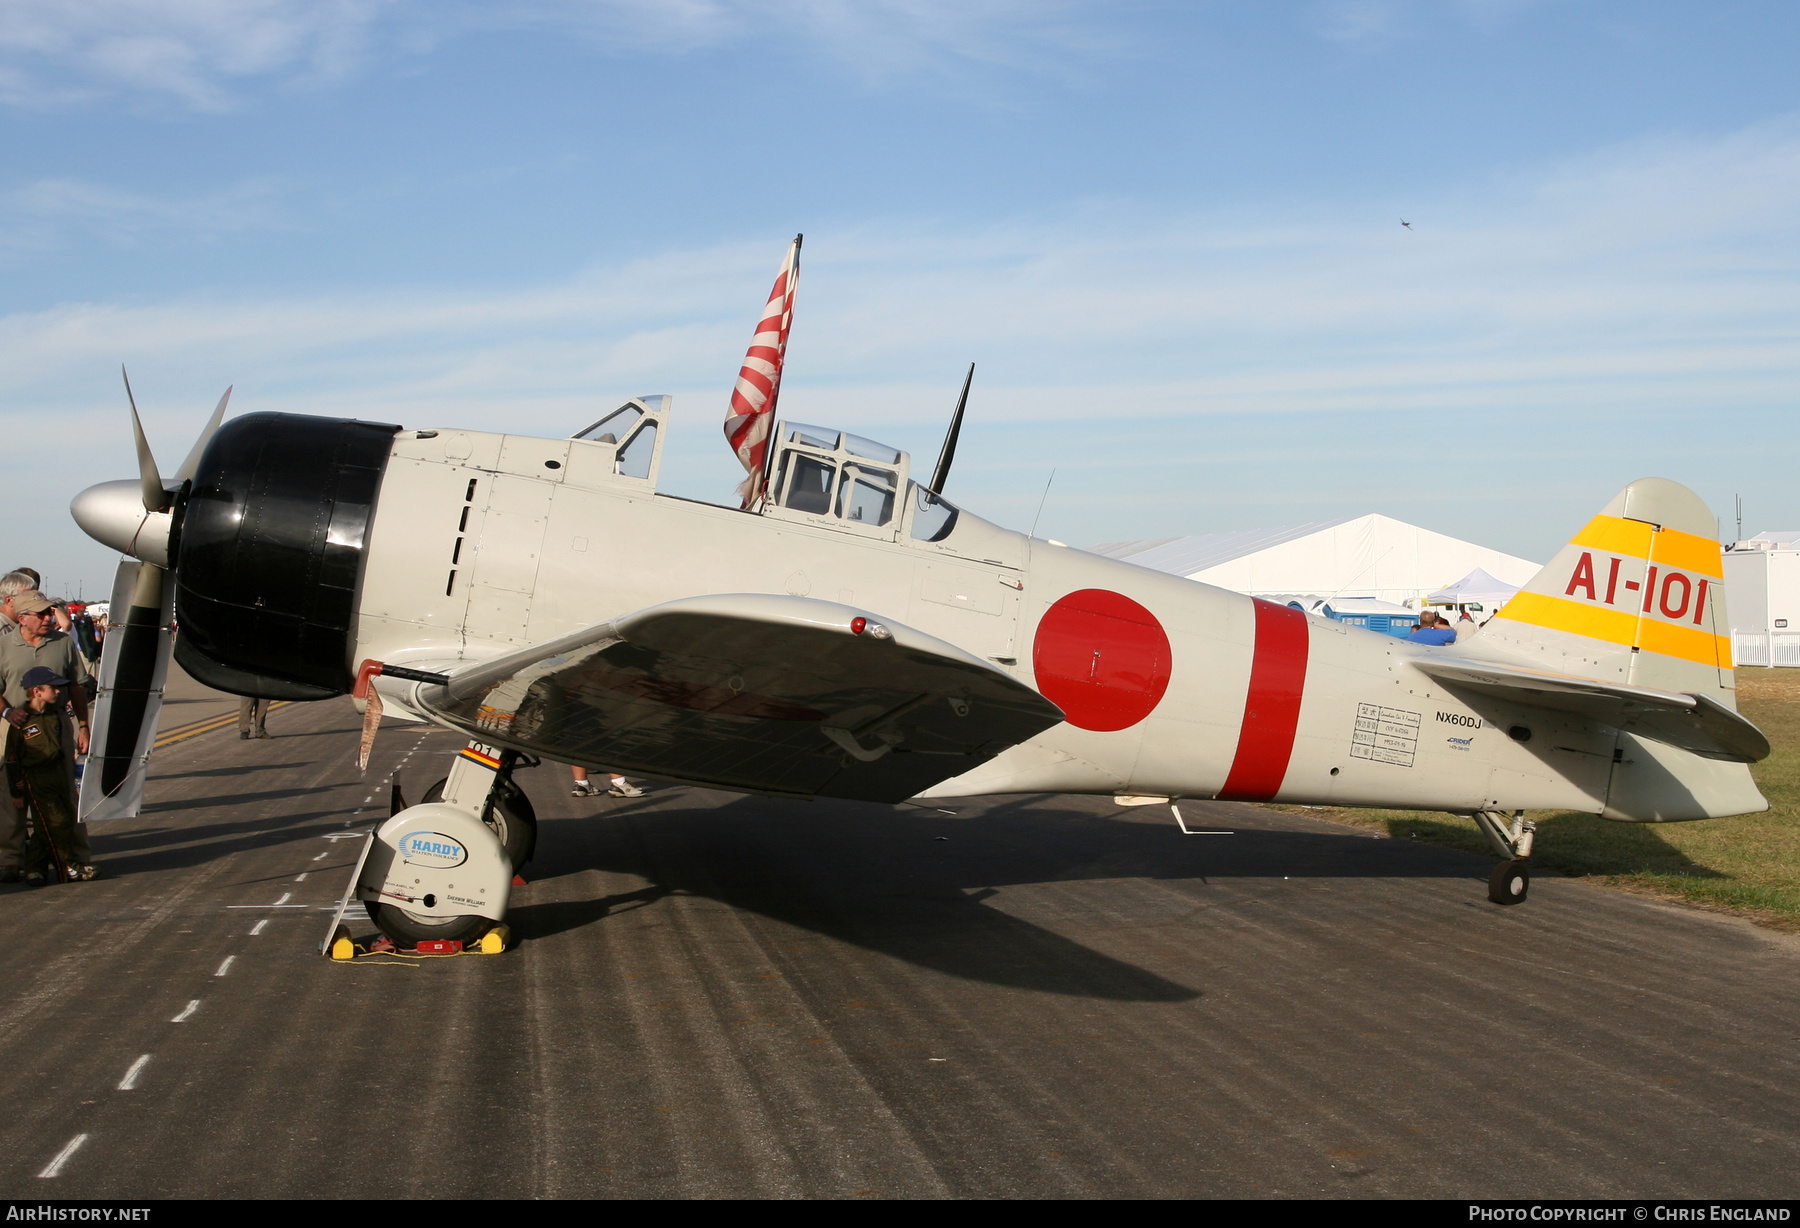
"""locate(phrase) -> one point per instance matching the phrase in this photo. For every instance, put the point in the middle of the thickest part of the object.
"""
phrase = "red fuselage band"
(1272, 710)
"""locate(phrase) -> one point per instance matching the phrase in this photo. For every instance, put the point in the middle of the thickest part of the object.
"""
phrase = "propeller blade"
(133, 670)
(191, 465)
(154, 496)
(948, 453)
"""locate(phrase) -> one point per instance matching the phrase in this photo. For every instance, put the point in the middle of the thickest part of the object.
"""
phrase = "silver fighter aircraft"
(857, 635)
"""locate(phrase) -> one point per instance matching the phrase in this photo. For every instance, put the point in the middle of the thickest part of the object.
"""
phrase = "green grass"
(1749, 865)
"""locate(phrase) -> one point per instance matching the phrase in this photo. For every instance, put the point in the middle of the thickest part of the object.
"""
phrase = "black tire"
(1510, 882)
(511, 816)
(409, 929)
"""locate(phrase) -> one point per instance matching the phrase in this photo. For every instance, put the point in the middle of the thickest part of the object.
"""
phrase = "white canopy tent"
(1358, 556)
(1475, 588)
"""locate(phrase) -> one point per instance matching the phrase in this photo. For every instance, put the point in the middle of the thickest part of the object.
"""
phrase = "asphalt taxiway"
(714, 995)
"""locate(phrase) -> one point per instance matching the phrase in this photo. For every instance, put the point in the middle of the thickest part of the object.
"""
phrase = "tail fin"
(1638, 596)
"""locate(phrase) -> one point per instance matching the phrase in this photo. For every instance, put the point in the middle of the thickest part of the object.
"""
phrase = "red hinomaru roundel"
(1102, 658)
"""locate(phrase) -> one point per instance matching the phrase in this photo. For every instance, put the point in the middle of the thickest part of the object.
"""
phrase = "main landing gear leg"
(1511, 837)
(438, 870)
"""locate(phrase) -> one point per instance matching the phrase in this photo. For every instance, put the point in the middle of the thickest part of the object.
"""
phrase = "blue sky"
(1168, 235)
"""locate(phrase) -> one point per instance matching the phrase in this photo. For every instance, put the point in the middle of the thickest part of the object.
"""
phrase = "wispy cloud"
(46, 214)
(1356, 21)
(1628, 305)
(58, 52)
(1370, 24)
(204, 54)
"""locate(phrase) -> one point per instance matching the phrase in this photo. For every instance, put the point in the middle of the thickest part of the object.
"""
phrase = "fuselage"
(482, 544)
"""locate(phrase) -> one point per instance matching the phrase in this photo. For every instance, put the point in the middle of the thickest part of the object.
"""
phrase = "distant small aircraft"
(1406, 223)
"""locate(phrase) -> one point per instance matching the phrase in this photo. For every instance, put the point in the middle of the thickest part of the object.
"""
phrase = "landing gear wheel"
(512, 818)
(409, 929)
(1510, 882)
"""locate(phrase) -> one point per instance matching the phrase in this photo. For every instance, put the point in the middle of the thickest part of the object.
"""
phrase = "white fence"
(1765, 648)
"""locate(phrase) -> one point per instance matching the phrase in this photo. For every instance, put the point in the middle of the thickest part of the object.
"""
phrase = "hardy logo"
(1452, 718)
(431, 848)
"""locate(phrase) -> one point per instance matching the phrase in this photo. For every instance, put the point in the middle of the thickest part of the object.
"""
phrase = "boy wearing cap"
(34, 762)
(37, 642)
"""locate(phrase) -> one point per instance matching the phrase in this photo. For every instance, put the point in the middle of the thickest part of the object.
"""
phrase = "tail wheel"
(512, 818)
(409, 929)
(1510, 882)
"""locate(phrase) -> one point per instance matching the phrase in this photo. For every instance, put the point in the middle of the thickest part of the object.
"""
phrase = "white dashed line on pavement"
(258, 927)
(226, 966)
(187, 1010)
(323, 856)
(55, 1167)
(301, 879)
(129, 1082)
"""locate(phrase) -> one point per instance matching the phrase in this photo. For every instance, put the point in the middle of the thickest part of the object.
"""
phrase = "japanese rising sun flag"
(752, 413)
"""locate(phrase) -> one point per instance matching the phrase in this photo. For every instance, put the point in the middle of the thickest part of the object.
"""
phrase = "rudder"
(1638, 597)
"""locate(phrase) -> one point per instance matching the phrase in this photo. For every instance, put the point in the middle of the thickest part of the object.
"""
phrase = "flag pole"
(793, 294)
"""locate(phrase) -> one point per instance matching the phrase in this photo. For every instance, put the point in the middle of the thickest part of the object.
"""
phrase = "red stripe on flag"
(759, 379)
(1272, 709)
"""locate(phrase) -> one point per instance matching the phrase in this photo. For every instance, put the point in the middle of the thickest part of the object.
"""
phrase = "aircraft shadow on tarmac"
(242, 769)
(911, 884)
(148, 849)
(961, 938)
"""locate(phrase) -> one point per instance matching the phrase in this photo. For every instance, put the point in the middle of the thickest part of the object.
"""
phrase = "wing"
(760, 694)
(1691, 722)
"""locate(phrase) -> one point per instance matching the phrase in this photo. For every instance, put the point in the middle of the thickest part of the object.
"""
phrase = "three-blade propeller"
(137, 519)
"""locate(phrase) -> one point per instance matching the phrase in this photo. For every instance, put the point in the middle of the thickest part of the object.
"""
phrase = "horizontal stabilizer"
(752, 692)
(1691, 722)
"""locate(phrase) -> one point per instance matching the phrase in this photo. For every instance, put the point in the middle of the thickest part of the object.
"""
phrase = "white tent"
(1477, 586)
(1359, 556)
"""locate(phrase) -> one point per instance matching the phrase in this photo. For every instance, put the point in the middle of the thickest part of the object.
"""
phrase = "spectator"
(13, 584)
(1432, 630)
(34, 759)
(251, 715)
(63, 618)
(620, 786)
(38, 642)
(12, 822)
(87, 641)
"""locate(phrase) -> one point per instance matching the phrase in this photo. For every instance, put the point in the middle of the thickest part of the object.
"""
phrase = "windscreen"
(618, 424)
(809, 484)
(867, 495)
(933, 517)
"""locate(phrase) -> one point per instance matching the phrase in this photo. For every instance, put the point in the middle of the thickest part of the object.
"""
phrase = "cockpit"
(827, 476)
(631, 431)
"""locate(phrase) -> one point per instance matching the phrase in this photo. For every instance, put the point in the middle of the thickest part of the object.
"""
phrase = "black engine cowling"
(270, 554)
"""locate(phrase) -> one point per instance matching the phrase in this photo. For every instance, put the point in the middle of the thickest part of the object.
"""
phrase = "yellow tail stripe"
(1617, 627)
(1688, 643)
(1674, 548)
(1616, 535)
(1636, 539)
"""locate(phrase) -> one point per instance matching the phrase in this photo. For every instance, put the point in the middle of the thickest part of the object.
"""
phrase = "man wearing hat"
(37, 642)
(34, 765)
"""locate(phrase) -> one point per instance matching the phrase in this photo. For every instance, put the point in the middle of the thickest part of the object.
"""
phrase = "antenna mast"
(947, 453)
